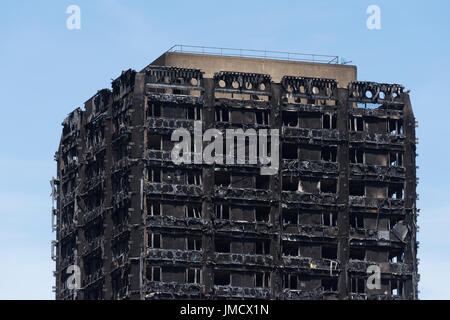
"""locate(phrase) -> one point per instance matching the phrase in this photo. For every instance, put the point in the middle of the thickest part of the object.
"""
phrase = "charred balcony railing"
(308, 166)
(316, 231)
(158, 155)
(185, 190)
(378, 139)
(69, 197)
(91, 246)
(164, 290)
(223, 125)
(174, 256)
(397, 268)
(176, 99)
(94, 181)
(380, 297)
(66, 261)
(379, 113)
(68, 229)
(324, 199)
(243, 104)
(391, 238)
(377, 173)
(312, 265)
(120, 229)
(191, 224)
(231, 292)
(166, 125)
(319, 294)
(70, 167)
(311, 135)
(165, 157)
(243, 193)
(92, 214)
(380, 203)
(92, 278)
(244, 227)
(241, 259)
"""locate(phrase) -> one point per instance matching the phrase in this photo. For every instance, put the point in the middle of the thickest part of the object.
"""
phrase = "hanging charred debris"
(140, 227)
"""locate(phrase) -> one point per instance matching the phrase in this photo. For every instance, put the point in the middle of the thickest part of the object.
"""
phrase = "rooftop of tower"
(277, 64)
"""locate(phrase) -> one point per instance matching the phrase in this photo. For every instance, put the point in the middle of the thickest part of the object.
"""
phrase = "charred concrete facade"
(140, 227)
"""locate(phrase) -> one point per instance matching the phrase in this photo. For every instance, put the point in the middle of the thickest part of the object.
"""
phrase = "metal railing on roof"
(260, 54)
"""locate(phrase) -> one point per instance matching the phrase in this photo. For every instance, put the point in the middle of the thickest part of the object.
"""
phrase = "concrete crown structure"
(140, 227)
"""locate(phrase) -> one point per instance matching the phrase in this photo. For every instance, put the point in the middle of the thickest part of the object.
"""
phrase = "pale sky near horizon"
(48, 70)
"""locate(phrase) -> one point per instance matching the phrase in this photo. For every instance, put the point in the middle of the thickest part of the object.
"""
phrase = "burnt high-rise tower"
(340, 210)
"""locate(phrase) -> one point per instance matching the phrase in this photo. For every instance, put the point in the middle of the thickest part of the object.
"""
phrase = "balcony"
(68, 197)
(168, 125)
(316, 135)
(193, 224)
(402, 269)
(310, 166)
(69, 167)
(289, 294)
(95, 149)
(164, 290)
(91, 246)
(67, 229)
(241, 292)
(380, 203)
(316, 231)
(243, 193)
(120, 229)
(166, 157)
(245, 227)
(185, 190)
(174, 256)
(330, 267)
(92, 278)
(242, 259)
(322, 199)
(66, 261)
(378, 139)
(175, 98)
(378, 173)
(94, 182)
(90, 215)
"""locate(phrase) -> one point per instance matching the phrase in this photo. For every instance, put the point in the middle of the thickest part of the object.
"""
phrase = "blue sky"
(48, 70)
